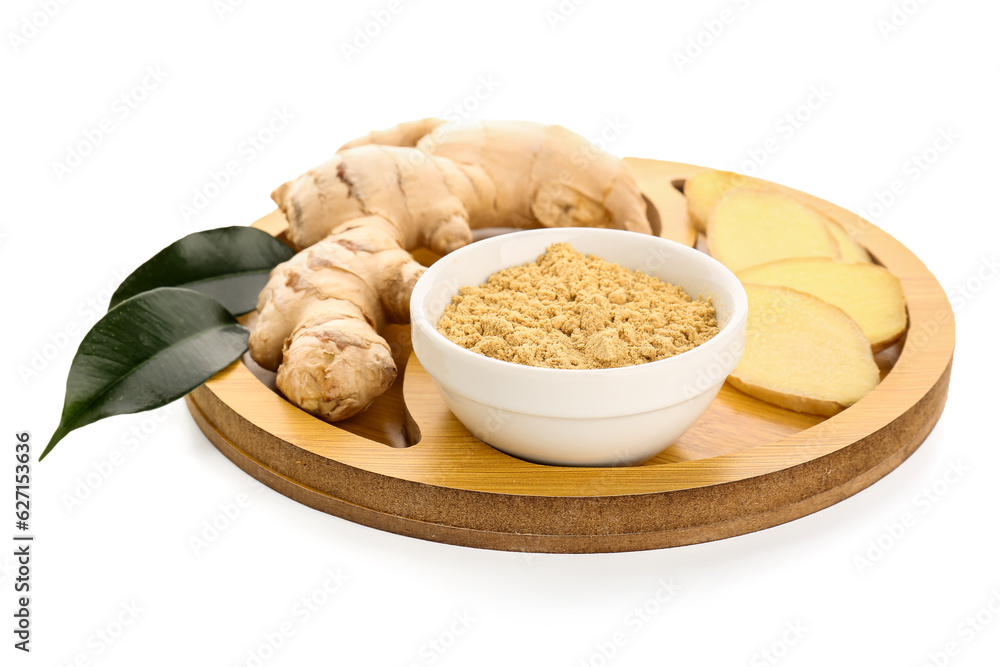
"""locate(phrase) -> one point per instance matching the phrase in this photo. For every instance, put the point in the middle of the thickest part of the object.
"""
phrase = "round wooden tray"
(408, 466)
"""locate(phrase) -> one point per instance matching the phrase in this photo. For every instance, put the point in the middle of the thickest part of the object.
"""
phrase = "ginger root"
(421, 184)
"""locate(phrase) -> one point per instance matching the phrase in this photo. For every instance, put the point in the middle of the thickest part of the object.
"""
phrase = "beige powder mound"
(567, 310)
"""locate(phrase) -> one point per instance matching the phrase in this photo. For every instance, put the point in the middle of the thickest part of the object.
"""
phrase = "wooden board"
(408, 466)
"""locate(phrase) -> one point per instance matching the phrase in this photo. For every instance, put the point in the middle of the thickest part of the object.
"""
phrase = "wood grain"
(666, 205)
(408, 466)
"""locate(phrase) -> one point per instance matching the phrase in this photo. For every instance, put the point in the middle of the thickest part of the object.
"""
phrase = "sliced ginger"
(748, 227)
(870, 294)
(706, 188)
(850, 251)
(814, 321)
(803, 353)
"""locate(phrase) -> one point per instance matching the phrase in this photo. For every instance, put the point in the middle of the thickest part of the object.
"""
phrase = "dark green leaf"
(146, 352)
(230, 264)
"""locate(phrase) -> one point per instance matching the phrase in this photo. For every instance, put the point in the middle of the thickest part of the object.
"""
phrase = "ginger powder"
(567, 310)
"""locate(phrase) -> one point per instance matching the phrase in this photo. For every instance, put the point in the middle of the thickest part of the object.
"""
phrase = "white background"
(66, 238)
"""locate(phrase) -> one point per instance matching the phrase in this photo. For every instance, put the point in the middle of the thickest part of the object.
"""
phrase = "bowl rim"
(419, 319)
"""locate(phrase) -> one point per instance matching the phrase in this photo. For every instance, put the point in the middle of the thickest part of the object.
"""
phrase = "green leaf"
(230, 264)
(146, 352)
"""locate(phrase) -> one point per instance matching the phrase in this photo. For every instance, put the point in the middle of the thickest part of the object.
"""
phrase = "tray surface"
(408, 466)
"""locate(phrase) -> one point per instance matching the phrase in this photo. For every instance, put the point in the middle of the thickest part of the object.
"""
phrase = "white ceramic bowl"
(600, 417)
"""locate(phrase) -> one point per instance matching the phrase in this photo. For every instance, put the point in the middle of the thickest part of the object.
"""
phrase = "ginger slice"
(870, 294)
(704, 189)
(850, 250)
(803, 353)
(749, 227)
